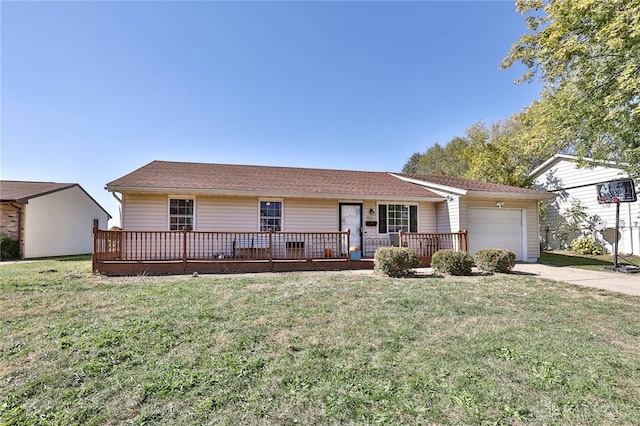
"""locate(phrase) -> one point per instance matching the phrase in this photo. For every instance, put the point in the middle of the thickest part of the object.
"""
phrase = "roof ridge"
(268, 166)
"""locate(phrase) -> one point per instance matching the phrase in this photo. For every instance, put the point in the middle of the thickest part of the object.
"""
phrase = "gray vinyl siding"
(143, 212)
(150, 213)
(448, 215)
(311, 215)
(427, 217)
(227, 214)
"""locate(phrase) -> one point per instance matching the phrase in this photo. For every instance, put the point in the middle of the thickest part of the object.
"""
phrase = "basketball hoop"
(616, 192)
(608, 200)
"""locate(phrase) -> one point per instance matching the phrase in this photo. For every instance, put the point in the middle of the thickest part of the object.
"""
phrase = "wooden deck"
(186, 252)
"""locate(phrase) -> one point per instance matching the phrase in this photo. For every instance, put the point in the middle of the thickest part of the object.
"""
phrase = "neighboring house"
(563, 175)
(48, 218)
(374, 206)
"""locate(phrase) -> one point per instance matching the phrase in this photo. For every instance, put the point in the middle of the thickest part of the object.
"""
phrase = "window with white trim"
(397, 217)
(271, 216)
(181, 214)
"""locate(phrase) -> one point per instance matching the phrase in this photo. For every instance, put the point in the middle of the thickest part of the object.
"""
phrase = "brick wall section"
(9, 222)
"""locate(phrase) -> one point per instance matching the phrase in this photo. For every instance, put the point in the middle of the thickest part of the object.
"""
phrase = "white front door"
(351, 218)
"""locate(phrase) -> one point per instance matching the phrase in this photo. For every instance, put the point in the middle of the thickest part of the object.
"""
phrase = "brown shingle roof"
(20, 191)
(265, 180)
(470, 185)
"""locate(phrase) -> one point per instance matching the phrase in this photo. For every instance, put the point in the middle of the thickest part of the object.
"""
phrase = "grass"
(584, 261)
(312, 348)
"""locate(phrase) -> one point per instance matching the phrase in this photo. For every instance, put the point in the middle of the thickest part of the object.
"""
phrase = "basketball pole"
(616, 237)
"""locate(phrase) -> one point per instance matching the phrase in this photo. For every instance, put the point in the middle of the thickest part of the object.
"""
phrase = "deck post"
(271, 249)
(348, 248)
(462, 240)
(95, 249)
(184, 248)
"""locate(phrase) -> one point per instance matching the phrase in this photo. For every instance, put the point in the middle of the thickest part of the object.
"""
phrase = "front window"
(397, 217)
(271, 216)
(180, 214)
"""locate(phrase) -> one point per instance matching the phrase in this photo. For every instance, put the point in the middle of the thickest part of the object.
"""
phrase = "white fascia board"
(232, 193)
(451, 189)
(513, 195)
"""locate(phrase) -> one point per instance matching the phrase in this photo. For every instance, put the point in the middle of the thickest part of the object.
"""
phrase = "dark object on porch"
(251, 247)
(295, 249)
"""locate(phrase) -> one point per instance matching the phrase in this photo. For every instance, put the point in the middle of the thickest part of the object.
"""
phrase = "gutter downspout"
(120, 209)
(632, 251)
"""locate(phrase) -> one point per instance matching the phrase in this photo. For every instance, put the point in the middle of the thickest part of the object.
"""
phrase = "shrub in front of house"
(587, 245)
(452, 262)
(396, 261)
(495, 260)
(9, 248)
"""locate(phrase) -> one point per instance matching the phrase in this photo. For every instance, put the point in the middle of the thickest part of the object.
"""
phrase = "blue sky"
(93, 90)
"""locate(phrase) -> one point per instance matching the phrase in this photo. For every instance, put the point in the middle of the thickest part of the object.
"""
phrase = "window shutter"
(413, 218)
(382, 219)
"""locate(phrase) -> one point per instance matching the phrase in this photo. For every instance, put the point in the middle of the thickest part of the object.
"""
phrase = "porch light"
(372, 212)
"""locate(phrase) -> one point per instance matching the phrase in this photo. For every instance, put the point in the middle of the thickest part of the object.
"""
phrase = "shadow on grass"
(559, 259)
(475, 273)
(522, 273)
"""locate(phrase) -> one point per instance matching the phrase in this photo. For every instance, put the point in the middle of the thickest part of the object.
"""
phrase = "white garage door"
(496, 228)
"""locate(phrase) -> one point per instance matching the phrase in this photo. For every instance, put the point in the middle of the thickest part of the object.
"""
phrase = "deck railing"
(185, 246)
(190, 247)
(426, 244)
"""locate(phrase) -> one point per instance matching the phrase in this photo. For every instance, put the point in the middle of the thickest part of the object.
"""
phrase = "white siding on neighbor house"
(530, 208)
(580, 185)
(61, 224)
(567, 174)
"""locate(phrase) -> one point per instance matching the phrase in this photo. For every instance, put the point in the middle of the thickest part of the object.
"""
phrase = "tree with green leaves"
(492, 154)
(497, 154)
(587, 54)
(439, 160)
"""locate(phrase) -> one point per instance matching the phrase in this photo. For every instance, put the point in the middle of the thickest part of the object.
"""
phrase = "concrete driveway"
(605, 280)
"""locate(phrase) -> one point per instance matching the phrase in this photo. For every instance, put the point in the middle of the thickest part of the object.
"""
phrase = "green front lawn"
(592, 262)
(312, 348)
